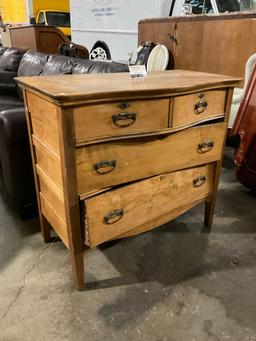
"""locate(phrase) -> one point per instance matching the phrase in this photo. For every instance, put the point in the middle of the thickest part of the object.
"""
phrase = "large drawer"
(113, 213)
(191, 108)
(107, 164)
(121, 118)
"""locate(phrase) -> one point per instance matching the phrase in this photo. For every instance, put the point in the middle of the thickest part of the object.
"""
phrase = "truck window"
(41, 18)
(228, 5)
(59, 19)
(200, 6)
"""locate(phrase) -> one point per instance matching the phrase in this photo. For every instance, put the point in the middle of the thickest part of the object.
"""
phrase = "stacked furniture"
(15, 159)
(115, 156)
(245, 129)
(46, 39)
(222, 43)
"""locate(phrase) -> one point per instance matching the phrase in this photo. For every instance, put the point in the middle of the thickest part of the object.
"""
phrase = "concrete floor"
(173, 283)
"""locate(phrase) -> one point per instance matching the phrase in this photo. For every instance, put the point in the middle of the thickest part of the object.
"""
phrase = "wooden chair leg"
(77, 261)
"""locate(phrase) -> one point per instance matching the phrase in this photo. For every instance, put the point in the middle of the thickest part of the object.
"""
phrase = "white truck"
(116, 21)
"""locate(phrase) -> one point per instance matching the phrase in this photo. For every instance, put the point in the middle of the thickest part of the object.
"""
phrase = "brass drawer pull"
(124, 119)
(201, 105)
(113, 217)
(205, 146)
(104, 167)
(200, 181)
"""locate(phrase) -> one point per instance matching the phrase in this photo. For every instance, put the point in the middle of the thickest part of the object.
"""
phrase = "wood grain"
(184, 107)
(160, 220)
(96, 120)
(54, 219)
(44, 121)
(141, 158)
(67, 90)
(144, 201)
(200, 42)
(48, 161)
(52, 193)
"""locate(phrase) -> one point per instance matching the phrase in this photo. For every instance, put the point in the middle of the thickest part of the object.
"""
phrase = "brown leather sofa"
(15, 161)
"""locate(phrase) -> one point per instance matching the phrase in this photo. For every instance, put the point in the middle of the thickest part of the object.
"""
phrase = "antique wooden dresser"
(115, 156)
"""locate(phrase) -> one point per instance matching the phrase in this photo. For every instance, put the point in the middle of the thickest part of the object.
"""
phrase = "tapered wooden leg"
(45, 230)
(209, 211)
(77, 261)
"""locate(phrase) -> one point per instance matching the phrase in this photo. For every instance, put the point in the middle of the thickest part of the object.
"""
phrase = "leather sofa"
(15, 162)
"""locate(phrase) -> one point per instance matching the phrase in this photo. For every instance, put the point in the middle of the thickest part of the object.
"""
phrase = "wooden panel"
(48, 161)
(91, 88)
(200, 42)
(44, 121)
(52, 193)
(157, 222)
(143, 201)
(56, 222)
(97, 120)
(145, 157)
(191, 108)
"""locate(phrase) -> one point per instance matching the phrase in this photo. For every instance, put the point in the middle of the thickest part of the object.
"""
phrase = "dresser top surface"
(71, 88)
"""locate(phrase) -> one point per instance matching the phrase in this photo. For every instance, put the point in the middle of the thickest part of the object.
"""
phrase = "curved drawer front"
(120, 118)
(113, 213)
(188, 109)
(107, 164)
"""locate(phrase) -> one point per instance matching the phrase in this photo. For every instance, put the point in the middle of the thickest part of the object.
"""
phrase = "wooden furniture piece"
(114, 156)
(209, 43)
(244, 130)
(43, 38)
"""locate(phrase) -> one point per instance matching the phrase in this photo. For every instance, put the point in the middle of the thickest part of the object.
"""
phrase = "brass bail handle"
(200, 181)
(113, 217)
(201, 105)
(205, 146)
(124, 119)
(105, 166)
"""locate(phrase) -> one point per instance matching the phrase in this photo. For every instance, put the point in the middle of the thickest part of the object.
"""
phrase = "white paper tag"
(137, 71)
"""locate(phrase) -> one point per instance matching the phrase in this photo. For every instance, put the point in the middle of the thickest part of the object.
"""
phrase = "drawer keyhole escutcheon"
(105, 166)
(205, 146)
(124, 119)
(113, 217)
(201, 105)
(123, 105)
(200, 181)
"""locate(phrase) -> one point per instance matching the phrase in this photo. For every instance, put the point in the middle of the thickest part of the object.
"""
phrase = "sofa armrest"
(13, 126)
(8, 84)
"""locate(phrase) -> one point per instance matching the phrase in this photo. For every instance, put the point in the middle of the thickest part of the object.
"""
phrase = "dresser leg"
(209, 212)
(45, 230)
(77, 261)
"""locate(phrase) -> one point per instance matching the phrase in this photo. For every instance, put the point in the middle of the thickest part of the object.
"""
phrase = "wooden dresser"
(114, 156)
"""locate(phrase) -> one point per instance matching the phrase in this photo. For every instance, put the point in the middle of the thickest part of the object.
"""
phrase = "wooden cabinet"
(114, 156)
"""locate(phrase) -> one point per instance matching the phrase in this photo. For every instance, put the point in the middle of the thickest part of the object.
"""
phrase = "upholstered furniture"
(16, 167)
(114, 157)
(239, 92)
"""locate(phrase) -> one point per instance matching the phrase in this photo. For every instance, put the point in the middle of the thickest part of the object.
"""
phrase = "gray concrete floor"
(174, 283)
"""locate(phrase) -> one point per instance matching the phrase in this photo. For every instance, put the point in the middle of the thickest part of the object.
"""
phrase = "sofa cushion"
(32, 63)
(10, 59)
(59, 65)
(89, 66)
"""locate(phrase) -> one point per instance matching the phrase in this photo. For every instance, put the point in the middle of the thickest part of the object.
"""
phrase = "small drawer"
(195, 107)
(113, 213)
(107, 164)
(121, 118)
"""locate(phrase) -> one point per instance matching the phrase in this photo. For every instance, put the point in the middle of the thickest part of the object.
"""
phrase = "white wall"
(114, 21)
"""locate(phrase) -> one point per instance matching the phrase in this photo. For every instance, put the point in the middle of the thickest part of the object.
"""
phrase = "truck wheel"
(100, 51)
